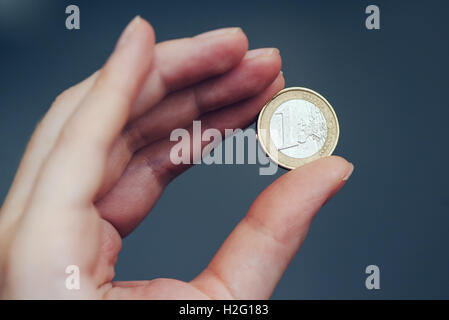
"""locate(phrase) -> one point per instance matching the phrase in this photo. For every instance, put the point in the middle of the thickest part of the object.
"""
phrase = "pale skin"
(99, 160)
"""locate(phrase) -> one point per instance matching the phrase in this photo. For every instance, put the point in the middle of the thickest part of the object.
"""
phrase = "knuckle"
(63, 97)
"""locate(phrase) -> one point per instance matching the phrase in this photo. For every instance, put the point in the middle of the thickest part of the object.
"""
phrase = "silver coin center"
(298, 129)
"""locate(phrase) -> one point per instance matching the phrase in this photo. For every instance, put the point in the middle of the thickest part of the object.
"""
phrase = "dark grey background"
(388, 87)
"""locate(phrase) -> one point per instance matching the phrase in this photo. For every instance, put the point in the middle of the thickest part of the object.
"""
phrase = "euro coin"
(297, 126)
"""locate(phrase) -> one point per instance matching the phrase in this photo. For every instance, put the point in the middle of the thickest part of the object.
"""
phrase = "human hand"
(99, 160)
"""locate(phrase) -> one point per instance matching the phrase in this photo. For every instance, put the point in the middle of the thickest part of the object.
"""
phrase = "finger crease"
(260, 227)
(196, 101)
(160, 173)
(219, 278)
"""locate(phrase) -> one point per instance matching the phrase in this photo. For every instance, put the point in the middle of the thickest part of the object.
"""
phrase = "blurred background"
(387, 87)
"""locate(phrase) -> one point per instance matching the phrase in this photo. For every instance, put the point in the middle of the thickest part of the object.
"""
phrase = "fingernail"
(281, 73)
(128, 31)
(261, 52)
(349, 173)
(219, 32)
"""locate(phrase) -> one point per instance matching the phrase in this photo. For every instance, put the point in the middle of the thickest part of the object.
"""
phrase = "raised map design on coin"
(298, 128)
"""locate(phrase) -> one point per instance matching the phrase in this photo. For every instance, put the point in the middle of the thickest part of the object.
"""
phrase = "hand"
(99, 160)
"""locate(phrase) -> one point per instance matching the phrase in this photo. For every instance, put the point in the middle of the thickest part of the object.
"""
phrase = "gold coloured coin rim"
(281, 159)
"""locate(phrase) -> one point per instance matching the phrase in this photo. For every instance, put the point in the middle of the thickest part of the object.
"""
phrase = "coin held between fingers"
(297, 126)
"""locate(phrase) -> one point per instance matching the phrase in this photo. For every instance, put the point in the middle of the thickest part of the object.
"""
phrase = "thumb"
(255, 255)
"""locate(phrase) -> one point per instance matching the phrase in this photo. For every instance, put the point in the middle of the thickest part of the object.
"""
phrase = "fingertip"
(237, 45)
(335, 160)
(258, 70)
(238, 36)
(131, 59)
(339, 166)
(281, 80)
(276, 85)
(270, 63)
(148, 31)
(137, 27)
(323, 175)
(243, 39)
(231, 44)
